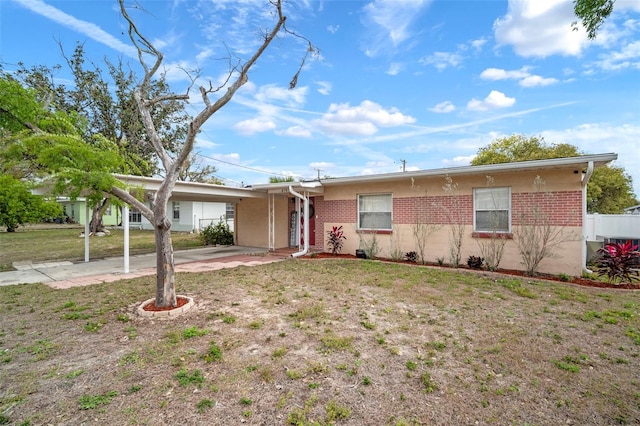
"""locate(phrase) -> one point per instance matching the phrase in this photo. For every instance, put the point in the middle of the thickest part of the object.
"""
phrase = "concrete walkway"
(66, 274)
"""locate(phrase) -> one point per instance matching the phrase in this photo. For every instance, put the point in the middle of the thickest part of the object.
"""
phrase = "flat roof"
(565, 162)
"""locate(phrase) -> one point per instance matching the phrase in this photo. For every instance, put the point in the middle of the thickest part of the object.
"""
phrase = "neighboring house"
(632, 210)
(610, 228)
(389, 205)
(189, 215)
(186, 215)
(75, 212)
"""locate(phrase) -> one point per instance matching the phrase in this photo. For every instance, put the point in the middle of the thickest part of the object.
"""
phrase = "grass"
(323, 342)
(26, 245)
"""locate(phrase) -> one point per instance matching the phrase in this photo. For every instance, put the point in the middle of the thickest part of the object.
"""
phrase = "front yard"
(321, 341)
(56, 243)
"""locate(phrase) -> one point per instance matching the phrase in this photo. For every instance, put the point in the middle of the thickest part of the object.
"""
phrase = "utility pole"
(404, 165)
(318, 170)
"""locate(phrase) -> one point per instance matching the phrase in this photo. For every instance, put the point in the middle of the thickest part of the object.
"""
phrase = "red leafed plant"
(619, 261)
(335, 239)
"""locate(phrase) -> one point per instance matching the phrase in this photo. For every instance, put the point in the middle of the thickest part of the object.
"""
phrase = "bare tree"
(538, 236)
(421, 227)
(457, 226)
(492, 248)
(172, 164)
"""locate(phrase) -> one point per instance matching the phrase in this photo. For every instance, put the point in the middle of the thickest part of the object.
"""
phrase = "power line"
(266, 172)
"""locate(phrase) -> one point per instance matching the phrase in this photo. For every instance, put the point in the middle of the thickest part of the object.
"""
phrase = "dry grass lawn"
(49, 243)
(321, 341)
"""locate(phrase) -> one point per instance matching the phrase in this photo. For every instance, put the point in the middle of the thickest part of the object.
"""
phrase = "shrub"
(335, 239)
(475, 262)
(619, 261)
(411, 256)
(218, 234)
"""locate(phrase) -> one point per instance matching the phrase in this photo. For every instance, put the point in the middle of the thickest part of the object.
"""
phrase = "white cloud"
(536, 80)
(627, 57)
(537, 28)
(289, 97)
(295, 132)
(254, 125)
(596, 138)
(494, 100)
(461, 160)
(363, 119)
(500, 74)
(322, 165)
(479, 43)
(443, 107)
(442, 60)
(324, 87)
(525, 78)
(88, 29)
(389, 22)
(333, 28)
(394, 68)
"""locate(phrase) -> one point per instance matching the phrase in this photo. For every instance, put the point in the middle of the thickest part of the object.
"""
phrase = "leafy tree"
(279, 179)
(19, 206)
(609, 190)
(75, 164)
(592, 14)
(41, 144)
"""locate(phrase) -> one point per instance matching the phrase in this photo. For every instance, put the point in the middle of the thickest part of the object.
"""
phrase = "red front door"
(311, 216)
(312, 223)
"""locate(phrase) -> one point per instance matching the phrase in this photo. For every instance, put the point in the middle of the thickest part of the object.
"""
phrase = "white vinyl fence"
(609, 228)
(619, 226)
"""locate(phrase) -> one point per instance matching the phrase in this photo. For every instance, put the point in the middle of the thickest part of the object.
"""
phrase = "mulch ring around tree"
(585, 282)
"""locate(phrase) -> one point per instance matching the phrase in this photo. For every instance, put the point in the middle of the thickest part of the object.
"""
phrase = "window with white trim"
(176, 210)
(374, 212)
(135, 216)
(492, 209)
(230, 211)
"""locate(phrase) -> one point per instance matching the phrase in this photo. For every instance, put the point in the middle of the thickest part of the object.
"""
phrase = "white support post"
(86, 231)
(272, 222)
(125, 225)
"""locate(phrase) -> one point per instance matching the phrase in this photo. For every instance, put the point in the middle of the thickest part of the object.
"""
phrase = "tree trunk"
(165, 268)
(97, 224)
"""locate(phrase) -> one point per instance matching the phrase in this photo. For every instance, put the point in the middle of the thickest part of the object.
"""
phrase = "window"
(492, 209)
(230, 212)
(374, 212)
(176, 210)
(135, 216)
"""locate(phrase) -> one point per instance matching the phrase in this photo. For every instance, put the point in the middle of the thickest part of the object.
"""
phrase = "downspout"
(585, 181)
(305, 248)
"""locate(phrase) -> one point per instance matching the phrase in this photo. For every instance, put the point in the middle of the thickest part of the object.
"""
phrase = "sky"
(413, 84)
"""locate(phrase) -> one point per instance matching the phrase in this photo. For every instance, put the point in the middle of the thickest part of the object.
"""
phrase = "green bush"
(218, 234)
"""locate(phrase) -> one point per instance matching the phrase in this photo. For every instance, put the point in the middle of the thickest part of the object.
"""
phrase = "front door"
(312, 223)
(311, 217)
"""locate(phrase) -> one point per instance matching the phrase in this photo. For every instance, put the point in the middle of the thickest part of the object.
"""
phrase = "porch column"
(272, 222)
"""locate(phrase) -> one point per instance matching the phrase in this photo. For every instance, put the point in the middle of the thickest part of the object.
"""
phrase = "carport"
(183, 191)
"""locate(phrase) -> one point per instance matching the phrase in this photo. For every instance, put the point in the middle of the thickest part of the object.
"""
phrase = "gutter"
(585, 181)
(305, 234)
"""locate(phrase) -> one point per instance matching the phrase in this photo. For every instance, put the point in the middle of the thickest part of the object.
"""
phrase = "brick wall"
(564, 208)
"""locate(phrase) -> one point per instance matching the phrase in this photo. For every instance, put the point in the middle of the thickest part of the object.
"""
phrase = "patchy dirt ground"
(321, 341)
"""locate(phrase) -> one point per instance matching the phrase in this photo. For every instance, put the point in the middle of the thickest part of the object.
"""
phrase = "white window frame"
(230, 211)
(383, 211)
(135, 214)
(500, 201)
(175, 207)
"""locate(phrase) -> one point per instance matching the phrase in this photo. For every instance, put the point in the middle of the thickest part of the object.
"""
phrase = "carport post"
(86, 230)
(125, 225)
